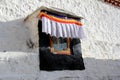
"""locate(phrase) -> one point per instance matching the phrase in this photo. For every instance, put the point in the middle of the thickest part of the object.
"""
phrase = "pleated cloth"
(61, 27)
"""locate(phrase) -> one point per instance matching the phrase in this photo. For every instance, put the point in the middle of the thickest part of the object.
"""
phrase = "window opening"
(60, 50)
(60, 45)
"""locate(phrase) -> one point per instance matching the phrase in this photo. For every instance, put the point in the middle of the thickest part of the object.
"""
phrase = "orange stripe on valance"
(71, 21)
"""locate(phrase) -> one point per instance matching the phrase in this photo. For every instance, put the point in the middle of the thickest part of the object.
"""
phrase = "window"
(60, 45)
(59, 39)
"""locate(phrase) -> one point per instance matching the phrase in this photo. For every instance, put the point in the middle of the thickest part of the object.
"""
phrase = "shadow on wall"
(14, 36)
(96, 69)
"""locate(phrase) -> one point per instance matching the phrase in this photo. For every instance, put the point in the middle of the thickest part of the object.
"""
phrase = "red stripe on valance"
(71, 21)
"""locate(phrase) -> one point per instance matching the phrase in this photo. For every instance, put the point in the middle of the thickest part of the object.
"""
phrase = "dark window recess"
(50, 61)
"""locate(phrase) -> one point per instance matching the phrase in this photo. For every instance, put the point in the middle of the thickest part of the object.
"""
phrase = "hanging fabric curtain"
(61, 27)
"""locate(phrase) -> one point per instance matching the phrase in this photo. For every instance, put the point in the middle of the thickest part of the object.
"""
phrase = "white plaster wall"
(101, 48)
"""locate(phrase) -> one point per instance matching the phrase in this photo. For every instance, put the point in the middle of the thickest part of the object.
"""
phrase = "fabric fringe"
(61, 27)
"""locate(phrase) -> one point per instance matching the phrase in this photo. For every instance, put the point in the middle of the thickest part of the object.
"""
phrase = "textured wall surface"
(101, 48)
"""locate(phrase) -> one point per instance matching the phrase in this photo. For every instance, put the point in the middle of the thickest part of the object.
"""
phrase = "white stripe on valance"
(59, 29)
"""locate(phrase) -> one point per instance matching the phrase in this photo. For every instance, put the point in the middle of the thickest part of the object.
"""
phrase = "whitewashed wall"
(101, 48)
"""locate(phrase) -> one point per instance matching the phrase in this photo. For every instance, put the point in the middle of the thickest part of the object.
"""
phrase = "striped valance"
(59, 27)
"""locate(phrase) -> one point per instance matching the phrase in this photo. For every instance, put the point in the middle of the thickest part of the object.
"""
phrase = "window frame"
(66, 51)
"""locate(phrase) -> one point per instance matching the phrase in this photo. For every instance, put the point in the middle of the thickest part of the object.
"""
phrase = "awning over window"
(61, 26)
(114, 2)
